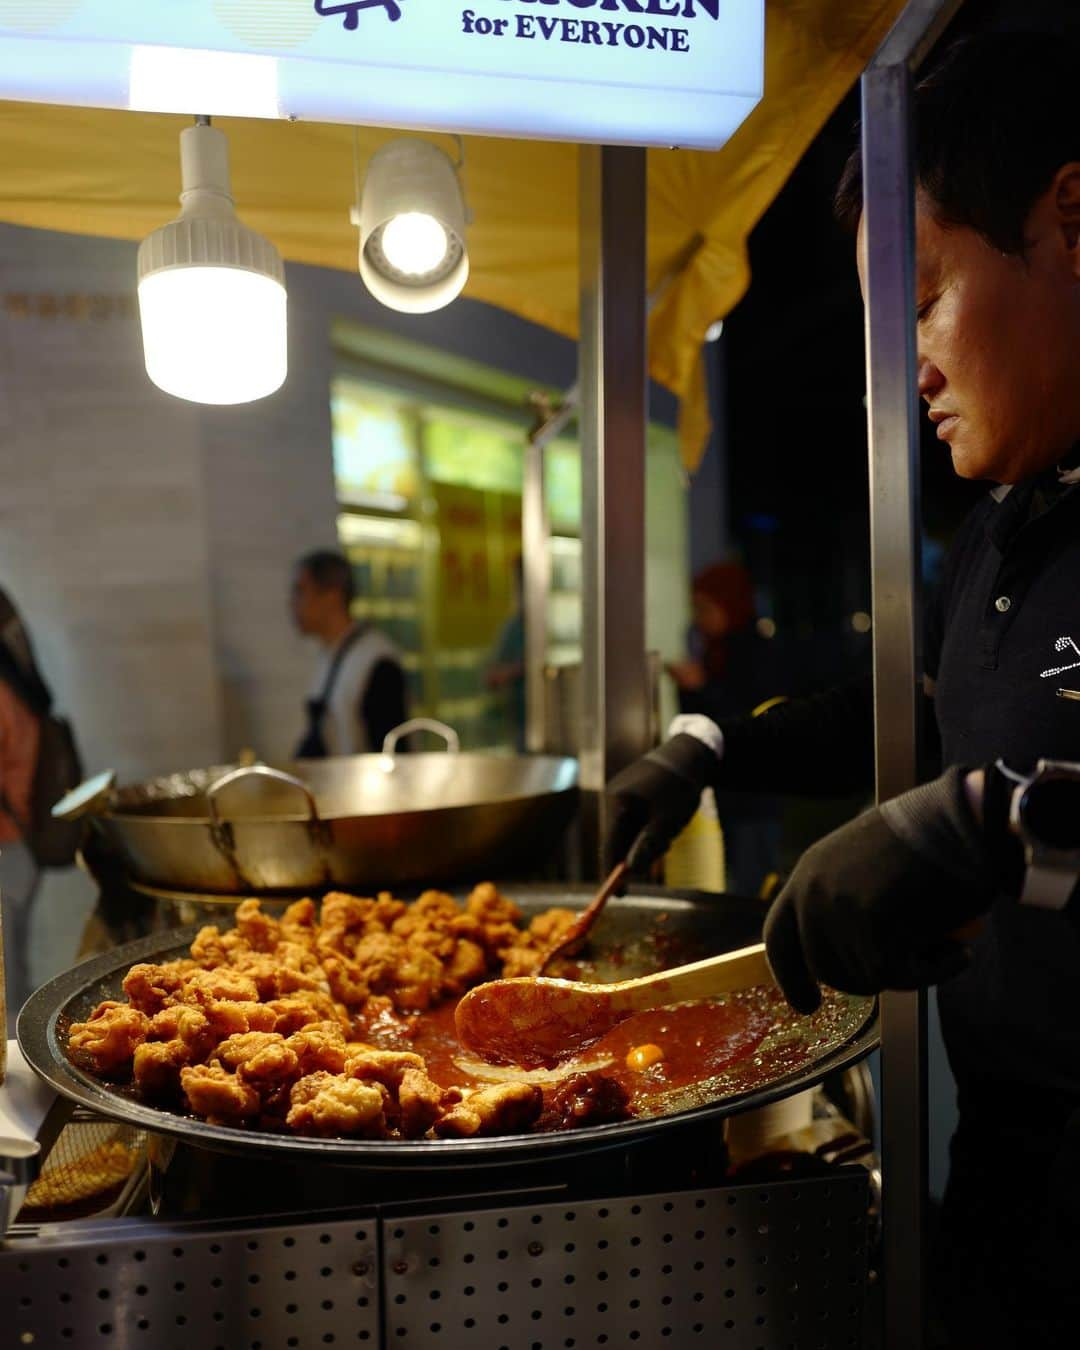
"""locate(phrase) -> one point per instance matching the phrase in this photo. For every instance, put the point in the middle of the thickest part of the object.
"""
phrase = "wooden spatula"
(537, 1021)
(573, 939)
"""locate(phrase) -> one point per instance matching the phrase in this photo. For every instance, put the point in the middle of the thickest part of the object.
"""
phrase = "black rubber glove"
(652, 800)
(867, 910)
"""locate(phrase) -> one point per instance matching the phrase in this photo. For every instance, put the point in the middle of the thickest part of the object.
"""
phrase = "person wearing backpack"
(39, 763)
(18, 874)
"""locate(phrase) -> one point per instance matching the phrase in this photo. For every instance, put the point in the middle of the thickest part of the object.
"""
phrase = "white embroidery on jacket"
(1062, 644)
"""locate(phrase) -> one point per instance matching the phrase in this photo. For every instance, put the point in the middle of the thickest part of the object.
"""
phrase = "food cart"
(365, 1275)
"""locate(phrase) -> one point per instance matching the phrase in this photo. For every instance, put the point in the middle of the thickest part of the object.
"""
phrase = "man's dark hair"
(995, 119)
(329, 571)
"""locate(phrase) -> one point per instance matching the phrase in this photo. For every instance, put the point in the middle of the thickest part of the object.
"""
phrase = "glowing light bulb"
(414, 243)
(214, 334)
(211, 292)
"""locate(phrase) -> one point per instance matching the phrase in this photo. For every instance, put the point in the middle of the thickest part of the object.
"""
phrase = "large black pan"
(649, 932)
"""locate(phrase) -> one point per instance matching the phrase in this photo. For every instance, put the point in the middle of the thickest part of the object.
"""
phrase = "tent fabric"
(97, 172)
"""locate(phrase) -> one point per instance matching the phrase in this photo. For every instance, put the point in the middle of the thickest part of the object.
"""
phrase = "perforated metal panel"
(780, 1267)
(263, 1288)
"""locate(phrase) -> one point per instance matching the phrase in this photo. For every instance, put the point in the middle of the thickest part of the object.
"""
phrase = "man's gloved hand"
(652, 800)
(877, 904)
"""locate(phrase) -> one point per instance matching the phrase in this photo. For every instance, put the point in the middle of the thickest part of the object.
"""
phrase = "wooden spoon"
(537, 1021)
(573, 939)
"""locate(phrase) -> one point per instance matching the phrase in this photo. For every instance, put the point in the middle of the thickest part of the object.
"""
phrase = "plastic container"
(695, 860)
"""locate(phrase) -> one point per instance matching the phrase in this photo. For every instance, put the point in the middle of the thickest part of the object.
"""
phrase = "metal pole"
(894, 500)
(536, 575)
(889, 220)
(615, 713)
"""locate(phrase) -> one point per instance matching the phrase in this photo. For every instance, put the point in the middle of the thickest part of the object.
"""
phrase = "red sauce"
(699, 1041)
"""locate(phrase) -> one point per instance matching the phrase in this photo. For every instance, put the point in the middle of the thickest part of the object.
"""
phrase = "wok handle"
(221, 831)
(258, 771)
(449, 735)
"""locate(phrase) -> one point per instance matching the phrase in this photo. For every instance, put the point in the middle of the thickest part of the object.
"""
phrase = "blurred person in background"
(358, 692)
(731, 670)
(24, 700)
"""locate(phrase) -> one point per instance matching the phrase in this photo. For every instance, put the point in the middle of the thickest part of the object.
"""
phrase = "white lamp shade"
(214, 334)
(413, 255)
(211, 291)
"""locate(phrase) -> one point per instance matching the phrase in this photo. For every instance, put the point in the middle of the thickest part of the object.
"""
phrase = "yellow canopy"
(116, 173)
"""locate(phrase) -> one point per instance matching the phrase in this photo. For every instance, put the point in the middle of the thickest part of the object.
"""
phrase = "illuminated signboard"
(646, 72)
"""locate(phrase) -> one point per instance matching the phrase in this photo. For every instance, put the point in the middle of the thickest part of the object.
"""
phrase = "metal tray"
(646, 931)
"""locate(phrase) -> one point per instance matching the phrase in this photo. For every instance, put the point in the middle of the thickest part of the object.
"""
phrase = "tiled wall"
(102, 520)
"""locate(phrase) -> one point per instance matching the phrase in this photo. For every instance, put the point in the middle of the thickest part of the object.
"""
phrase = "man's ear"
(1066, 198)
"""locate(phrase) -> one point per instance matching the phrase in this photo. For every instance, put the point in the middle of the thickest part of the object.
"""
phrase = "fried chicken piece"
(467, 966)
(304, 1007)
(208, 948)
(547, 928)
(325, 1104)
(388, 909)
(382, 963)
(259, 930)
(320, 1046)
(417, 979)
(374, 957)
(150, 987)
(212, 948)
(503, 1108)
(188, 1025)
(300, 956)
(520, 960)
(298, 923)
(490, 908)
(203, 987)
(383, 1066)
(157, 1064)
(220, 1096)
(107, 1040)
(413, 1100)
(273, 979)
(427, 920)
(263, 1058)
(346, 981)
(344, 919)
(419, 1103)
(232, 1018)
(526, 953)
(467, 926)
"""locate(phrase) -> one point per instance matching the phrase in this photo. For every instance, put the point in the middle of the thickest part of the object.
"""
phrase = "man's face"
(998, 343)
(308, 602)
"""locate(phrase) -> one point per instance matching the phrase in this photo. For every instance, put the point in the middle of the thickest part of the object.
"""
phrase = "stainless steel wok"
(357, 821)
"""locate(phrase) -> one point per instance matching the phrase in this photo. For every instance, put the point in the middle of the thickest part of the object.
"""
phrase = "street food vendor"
(997, 163)
(358, 694)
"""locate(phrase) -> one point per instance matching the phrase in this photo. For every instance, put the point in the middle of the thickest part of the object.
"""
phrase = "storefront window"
(430, 493)
(375, 452)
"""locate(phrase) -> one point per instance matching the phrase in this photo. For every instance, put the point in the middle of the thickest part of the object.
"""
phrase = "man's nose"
(930, 379)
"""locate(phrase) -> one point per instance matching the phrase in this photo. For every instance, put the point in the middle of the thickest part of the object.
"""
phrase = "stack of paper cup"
(695, 861)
